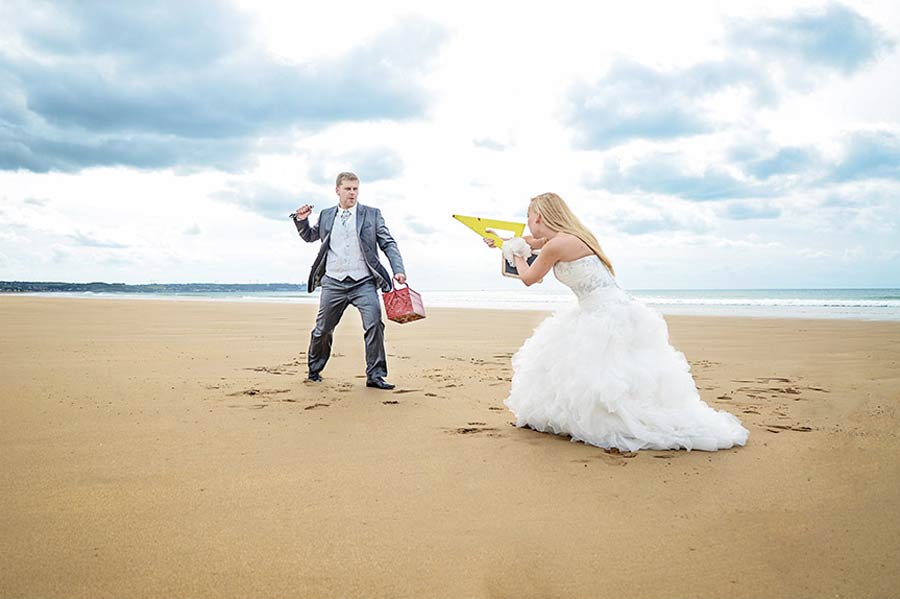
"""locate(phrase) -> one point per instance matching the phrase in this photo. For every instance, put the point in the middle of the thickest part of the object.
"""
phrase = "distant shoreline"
(98, 287)
(103, 287)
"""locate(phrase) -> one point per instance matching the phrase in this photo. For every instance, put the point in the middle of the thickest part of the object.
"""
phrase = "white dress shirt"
(345, 258)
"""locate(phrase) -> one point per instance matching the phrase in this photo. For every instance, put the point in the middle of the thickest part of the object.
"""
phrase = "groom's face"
(347, 192)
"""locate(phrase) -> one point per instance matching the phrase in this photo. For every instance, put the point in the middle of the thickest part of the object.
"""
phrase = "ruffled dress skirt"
(604, 373)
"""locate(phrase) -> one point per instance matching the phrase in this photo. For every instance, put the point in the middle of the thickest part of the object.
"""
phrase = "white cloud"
(692, 104)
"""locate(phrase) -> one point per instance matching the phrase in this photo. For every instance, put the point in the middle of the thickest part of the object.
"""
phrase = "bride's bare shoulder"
(568, 247)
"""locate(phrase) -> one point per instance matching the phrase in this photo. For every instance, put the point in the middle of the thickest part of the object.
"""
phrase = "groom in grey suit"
(350, 273)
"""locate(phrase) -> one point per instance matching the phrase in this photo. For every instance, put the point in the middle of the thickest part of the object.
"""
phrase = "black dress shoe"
(314, 377)
(379, 383)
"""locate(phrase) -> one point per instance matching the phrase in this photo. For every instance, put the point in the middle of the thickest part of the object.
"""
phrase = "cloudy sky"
(707, 144)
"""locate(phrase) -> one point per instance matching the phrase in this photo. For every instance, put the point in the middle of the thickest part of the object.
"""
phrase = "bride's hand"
(492, 243)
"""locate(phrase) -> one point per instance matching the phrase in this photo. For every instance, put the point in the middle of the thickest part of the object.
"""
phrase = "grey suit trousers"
(334, 299)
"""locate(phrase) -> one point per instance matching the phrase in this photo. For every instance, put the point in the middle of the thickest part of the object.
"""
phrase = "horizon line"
(304, 285)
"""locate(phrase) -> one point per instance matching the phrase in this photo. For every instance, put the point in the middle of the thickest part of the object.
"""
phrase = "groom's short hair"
(345, 176)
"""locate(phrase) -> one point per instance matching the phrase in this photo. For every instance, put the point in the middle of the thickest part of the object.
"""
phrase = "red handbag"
(403, 305)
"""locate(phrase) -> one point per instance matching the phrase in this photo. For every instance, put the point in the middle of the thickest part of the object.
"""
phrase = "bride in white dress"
(602, 371)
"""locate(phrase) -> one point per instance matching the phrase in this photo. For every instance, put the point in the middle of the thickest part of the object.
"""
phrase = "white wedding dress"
(604, 373)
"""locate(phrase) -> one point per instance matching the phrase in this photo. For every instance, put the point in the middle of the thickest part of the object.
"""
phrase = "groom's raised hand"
(303, 212)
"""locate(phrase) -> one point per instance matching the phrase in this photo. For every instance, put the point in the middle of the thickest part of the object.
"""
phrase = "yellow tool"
(480, 225)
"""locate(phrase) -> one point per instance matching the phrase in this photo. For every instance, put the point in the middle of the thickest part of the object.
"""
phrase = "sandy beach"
(174, 449)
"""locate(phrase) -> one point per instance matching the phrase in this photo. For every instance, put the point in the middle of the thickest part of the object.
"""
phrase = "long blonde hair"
(557, 216)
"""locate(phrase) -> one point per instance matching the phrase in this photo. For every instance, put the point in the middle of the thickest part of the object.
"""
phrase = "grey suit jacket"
(373, 234)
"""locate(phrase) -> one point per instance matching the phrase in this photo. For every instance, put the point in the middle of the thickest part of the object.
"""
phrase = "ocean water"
(853, 304)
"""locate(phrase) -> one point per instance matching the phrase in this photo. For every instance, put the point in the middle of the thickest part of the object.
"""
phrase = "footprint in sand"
(316, 405)
(272, 370)
(621, 454)
(474, 428)
(251, 392)
(703, 363)
(390, 402)
(777, 428)
(788, 390)
(668, 456)
(609, 460)
(613, 457)
(466, 431)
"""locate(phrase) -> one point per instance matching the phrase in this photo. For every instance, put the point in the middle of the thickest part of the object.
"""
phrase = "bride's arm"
(540, 267)
(536, 243)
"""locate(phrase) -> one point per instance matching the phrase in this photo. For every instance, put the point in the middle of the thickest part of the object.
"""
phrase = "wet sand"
(163, 449)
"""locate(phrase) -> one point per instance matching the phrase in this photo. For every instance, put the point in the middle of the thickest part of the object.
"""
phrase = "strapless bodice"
(584, 276)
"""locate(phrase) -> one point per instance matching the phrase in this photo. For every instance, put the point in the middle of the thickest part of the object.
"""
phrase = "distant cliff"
(50, 287)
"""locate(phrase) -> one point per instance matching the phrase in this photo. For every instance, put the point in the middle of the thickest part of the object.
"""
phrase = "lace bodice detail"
(584, 276)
